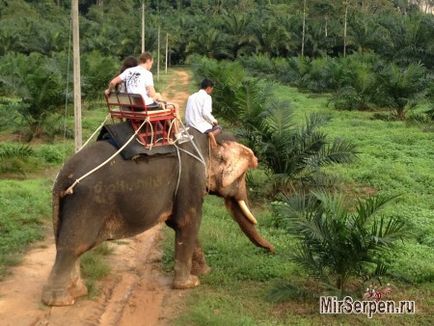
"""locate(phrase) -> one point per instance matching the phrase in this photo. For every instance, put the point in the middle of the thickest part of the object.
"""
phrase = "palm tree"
(402, 87)
(210, 43)
(239, 34)
(39, 84)
(337, 242)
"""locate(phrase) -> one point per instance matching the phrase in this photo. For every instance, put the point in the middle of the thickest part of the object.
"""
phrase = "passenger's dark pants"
(215, 130)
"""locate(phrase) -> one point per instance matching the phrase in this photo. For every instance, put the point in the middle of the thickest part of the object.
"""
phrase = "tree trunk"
(143, 27)
(77, 83)
(158, 54)
(345, 27)
(304, 28)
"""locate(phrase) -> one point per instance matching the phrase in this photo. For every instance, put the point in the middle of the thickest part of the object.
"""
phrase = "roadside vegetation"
(394, 159)
(336, 100)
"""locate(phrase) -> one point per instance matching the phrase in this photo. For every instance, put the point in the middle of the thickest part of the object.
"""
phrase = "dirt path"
(135, 293)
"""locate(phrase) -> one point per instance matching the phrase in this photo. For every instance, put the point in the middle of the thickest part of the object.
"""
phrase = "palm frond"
(340, 151)
(369, 207)
(8, 151)
(385, 233)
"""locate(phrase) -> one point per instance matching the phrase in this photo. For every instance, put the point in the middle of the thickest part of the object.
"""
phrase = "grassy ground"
(394, 159)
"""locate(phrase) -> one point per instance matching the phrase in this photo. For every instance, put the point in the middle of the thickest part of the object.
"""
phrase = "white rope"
(199, 158)
(97, 129)
(152, 136)
(191, 154)
(179, 170)
(70, 190)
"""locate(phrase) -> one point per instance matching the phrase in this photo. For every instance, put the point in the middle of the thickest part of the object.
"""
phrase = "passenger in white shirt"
(198, 112)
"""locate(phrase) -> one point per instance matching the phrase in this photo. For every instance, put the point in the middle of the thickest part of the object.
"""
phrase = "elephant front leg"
(185, 243)
(199, 265)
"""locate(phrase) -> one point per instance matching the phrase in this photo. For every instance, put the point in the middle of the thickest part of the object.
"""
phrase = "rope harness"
(198, 157)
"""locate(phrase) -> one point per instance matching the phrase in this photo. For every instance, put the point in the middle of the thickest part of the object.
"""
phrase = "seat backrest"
(133, 101)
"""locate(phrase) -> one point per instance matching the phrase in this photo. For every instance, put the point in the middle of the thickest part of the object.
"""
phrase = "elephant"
(126, 197)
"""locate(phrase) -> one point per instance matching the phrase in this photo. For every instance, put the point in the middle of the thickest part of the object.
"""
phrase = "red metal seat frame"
(131, 107)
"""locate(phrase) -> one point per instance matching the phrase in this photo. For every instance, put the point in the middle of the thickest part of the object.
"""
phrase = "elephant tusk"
(247, 213)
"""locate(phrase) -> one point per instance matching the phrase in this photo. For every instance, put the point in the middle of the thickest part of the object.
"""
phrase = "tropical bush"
(336, 242)
(38, 83)
(98, 70)
(402, 87)
(13, 158)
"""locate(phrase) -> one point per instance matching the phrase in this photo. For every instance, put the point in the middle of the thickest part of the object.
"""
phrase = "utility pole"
(158, 54)
(345, 27)
(143, 26)
(304, 28)
(77, 83)
(167, 48)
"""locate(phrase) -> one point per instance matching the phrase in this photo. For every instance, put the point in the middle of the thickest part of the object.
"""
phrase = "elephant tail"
(56, 213)
(56, 201)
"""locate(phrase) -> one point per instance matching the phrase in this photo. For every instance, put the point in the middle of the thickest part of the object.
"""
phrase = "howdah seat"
(159, 129)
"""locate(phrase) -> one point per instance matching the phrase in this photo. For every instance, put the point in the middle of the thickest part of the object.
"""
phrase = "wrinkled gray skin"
(125, 198)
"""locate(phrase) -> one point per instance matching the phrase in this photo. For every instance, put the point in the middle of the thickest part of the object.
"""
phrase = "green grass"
(94, 267)
(395, 158)
(24, 213)
(236, 291)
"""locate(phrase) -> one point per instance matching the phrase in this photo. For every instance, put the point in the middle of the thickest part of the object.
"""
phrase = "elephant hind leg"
(64, 283)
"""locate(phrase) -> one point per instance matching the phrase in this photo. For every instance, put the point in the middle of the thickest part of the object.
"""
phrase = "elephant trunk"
(246, 225)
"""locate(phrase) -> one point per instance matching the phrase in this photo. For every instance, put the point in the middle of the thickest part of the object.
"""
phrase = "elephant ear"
(236, 160)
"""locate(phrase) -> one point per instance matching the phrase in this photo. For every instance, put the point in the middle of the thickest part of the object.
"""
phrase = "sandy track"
(135, 293)
(132, 294)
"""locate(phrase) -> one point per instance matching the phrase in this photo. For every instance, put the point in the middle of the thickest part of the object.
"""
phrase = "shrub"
(402, 87)
(337, 242)
(39, 84)
(13, 158)
(51, 154)
(265, 124)
(98, 70)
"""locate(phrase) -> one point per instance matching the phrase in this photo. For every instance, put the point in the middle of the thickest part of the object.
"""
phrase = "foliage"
(359, 82)
(265, 124)
(242, 277)
(24, 208)
(402, 87)
(98, 70)
(94, 267)
(235, 29)
(52, 154)
(13, 158)
(38, 82)
(337, 243)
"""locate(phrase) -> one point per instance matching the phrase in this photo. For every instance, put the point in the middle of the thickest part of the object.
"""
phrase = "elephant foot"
(78, 289)
(191, 282)
(200, 269)
(57, 297)
(63, 296)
